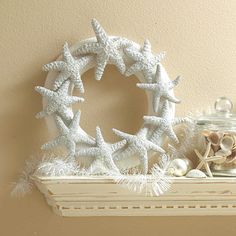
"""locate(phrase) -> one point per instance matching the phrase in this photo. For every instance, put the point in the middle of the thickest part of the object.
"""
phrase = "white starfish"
(138, 144)
(164, 124)
(102, 152)
(106, 49)
(205, 160)
(58, 101)
(69, 68)
(145, 61)
(160, 88)
(69, 136)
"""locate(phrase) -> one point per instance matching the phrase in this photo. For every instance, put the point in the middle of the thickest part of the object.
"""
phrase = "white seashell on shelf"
(179, 167)
(194, 173)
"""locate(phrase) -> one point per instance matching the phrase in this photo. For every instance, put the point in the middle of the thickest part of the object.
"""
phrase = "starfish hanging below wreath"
(138, 144)
(69, 136)
(164, 124)
(58, 101)
(106, 50)
(102, 152)
(160, 88)
(145, 61)
(69, 68)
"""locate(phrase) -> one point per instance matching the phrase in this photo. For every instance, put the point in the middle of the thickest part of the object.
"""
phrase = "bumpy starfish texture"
(145, 61)
(58, 101)
(102, 152)
(205, 159)
(164, 124)
(160, 88)
(69, 68)
(138, 144)
(106, 49)
(69, 136)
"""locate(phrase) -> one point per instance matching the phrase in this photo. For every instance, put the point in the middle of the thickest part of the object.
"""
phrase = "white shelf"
(100, 196)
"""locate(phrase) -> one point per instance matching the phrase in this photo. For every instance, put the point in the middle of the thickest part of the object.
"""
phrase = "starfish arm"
(174, 83)
(148, 74)
(208, 170)
(129, 151)
(144, 162)
(92, 151)
(121, 43)
(60, 79)
(171, 134)
(133, 53)
(122, 135)
(76, 78)
(99, 31)
(151, 146)
(71, 146)
(56, 65)
(117, 146)
(198, 154)
(170, 97)
(51, 107)
(66, 112)
(156, 101)
(74, 125)
(53, 143)
(61, 125)
(89, 47)
(102, 61)
(151, 87)
(159, 57)
(99, 138)
(153, 120)
(165, 112)
(143, 132)
(64, 88)
(44, 92)
(87, 140)
(72, 99)
(119, 62)
(146, 47)
(200, 165)
(177, 121)
(208, 149)
(67, 54)
(214, 158)
(136, 67)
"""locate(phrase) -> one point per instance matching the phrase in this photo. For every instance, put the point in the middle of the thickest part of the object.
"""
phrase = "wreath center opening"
(114, 101)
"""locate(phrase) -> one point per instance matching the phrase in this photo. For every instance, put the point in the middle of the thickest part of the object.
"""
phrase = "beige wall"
(199, 37)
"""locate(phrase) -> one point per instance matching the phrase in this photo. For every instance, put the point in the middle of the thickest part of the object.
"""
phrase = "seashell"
(220, 161)
(214, 138)
(227, 142)
(196, 174)
(230, 160)
(223, 153)
(215, 148)
(179, 167)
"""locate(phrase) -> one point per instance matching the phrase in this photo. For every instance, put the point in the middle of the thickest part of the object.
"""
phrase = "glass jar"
(218, 130)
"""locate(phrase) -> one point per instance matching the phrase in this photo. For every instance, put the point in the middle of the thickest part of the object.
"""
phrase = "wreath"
(127, 160)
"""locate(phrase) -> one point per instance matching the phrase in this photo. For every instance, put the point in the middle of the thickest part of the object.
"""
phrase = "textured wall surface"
(199, 37)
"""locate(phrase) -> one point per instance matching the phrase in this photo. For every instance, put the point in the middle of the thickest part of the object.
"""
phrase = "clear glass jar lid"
(221, 119)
